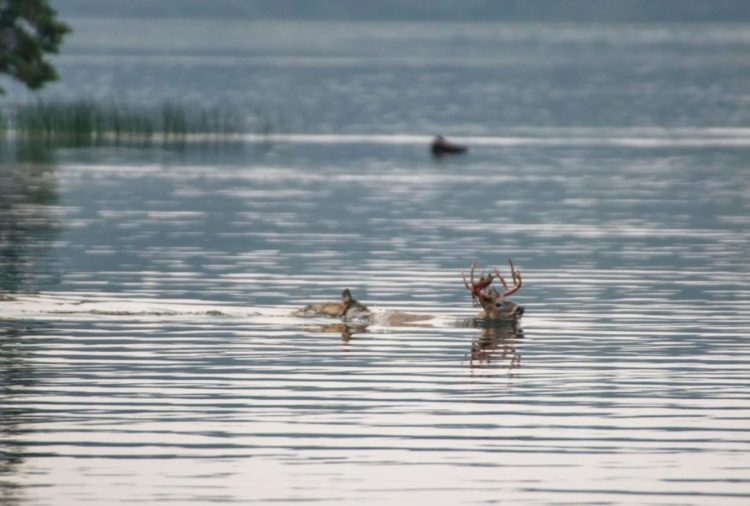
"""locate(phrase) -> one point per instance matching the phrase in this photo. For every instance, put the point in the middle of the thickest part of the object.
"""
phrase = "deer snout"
(518, 312)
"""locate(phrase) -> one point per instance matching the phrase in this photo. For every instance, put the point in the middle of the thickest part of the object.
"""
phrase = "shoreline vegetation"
(87, 123)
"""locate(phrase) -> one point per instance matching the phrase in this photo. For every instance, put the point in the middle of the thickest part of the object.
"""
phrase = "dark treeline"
(437, 10)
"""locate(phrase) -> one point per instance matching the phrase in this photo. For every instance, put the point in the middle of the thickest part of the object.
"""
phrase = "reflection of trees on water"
(28, 223)
(16, 376)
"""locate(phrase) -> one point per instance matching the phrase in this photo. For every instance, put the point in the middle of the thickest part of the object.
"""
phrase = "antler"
(516, 280)
(463, 276)
(480, 290)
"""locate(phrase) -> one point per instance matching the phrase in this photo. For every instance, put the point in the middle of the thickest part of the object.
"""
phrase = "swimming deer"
(348, 309)
(495, 308)
(494, 305)
(354, 312)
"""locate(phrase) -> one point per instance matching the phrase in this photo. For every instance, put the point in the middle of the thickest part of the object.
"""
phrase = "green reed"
(91, 123)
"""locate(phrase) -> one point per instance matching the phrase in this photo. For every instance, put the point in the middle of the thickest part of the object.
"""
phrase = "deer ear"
(346, 296)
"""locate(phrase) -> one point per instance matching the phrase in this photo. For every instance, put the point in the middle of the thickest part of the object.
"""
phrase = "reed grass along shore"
(89, 123)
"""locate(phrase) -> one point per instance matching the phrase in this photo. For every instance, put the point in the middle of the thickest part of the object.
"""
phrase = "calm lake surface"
(147, 352)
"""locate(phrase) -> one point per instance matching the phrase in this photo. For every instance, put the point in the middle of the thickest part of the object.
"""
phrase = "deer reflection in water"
(496, 344)
(346, 330)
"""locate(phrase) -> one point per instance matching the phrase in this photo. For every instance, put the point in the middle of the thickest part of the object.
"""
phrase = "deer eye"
(498, 304)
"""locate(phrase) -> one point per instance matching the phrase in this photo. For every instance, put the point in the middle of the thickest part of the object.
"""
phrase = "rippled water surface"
(147, 347)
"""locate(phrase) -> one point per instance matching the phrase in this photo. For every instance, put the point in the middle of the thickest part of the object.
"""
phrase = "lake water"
(147, 352)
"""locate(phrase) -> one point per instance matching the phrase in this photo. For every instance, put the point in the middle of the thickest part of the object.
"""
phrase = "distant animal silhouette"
(441, 146)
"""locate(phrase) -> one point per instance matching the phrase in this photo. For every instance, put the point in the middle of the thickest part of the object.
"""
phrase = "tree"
(28, 30)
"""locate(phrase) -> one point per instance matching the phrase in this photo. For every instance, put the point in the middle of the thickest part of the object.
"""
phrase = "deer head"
(493, 303)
